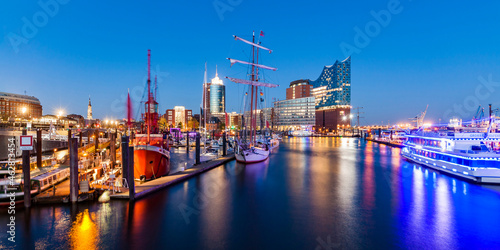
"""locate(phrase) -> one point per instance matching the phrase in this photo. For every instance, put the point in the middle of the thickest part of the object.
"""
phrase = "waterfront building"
(78, 118)
(234, 120)
(217, 97)
(294, 114)
(299, 89)
(332, 92)
(264, 117)
(19, 106)
(179, 114)
(213, 124)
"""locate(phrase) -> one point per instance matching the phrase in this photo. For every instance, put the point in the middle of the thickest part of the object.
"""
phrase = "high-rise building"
(21, 106)
(217, 97)
(89, 111)
(298, 89)
(332, 92)
(205, 114)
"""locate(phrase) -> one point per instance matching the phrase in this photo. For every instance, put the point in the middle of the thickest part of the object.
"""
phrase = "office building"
(217, 98)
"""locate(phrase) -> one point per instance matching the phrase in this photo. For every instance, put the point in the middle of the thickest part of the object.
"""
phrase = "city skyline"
(405, 62)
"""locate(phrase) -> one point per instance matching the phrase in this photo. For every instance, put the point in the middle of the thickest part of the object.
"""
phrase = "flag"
(267, 124)
(261, 33)
(261, 94)
(246, 93)
(129, 110)
(261, 99)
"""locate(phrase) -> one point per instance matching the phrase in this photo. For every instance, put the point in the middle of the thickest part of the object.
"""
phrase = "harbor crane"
(419, 119)
(478, 116)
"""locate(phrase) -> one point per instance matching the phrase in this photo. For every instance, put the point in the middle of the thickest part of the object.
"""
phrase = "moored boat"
(461, 152)
(151, 148)
(247, 149)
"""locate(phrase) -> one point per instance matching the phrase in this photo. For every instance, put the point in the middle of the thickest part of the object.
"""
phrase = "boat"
(301, 133)
(151, 148)
(247, 150)
(392, 137)
(14, 187)
(465, 152)
(273, 142)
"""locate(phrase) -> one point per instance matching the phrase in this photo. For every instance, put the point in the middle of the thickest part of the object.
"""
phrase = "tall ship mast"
(250, 151)
(151, 149)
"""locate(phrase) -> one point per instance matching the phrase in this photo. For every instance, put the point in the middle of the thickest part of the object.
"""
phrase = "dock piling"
(96, 141)
(124, 147)
(197, 148)
(39, 148)
(187, 142)
(73, 169)
(224, 144)
(112, 148)
(26, 175)
(130, 179)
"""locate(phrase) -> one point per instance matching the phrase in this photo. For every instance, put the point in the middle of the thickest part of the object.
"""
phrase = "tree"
(179, 125)
(193, 124)
(222, 126)
(162, 123)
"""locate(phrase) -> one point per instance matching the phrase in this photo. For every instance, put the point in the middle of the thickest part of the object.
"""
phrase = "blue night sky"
(429, 52)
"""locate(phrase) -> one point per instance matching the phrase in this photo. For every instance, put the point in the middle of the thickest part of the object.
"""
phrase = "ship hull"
(150, 162)
(252, 156)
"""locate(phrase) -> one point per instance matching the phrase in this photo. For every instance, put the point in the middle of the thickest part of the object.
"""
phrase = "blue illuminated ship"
(471, 152)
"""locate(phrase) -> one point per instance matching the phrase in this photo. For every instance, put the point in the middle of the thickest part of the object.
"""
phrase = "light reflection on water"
(360, 194)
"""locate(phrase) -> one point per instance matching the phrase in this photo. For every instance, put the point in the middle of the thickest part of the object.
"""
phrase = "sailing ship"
(151, 149)
(248, 150)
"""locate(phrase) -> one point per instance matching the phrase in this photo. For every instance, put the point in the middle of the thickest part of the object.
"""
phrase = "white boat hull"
(486, 175)
(252, 155)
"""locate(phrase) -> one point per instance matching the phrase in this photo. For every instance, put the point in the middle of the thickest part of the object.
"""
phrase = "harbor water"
(312, 193)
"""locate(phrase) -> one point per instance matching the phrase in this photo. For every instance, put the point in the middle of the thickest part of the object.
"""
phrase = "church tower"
(89, 111)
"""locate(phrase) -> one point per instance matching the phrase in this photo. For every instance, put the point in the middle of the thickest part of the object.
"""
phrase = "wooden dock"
(148, 187)
(386, 143)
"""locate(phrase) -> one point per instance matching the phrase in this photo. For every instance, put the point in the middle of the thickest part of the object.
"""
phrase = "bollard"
(39, 148)
(27, 176)
(187, 142)
(124, 147)
(130, 179)
(73, 169)
(197, 148)
(224, 146)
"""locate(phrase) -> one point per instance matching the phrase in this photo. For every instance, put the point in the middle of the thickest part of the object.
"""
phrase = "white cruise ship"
(459, 151)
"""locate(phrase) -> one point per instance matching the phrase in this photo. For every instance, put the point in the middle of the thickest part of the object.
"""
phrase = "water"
(313, 193)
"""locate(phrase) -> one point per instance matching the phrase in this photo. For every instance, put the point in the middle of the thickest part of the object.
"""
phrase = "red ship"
(151, 149)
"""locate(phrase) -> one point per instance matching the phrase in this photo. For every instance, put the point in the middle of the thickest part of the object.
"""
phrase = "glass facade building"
(217, 97)
(294, 114)
(332, 89)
